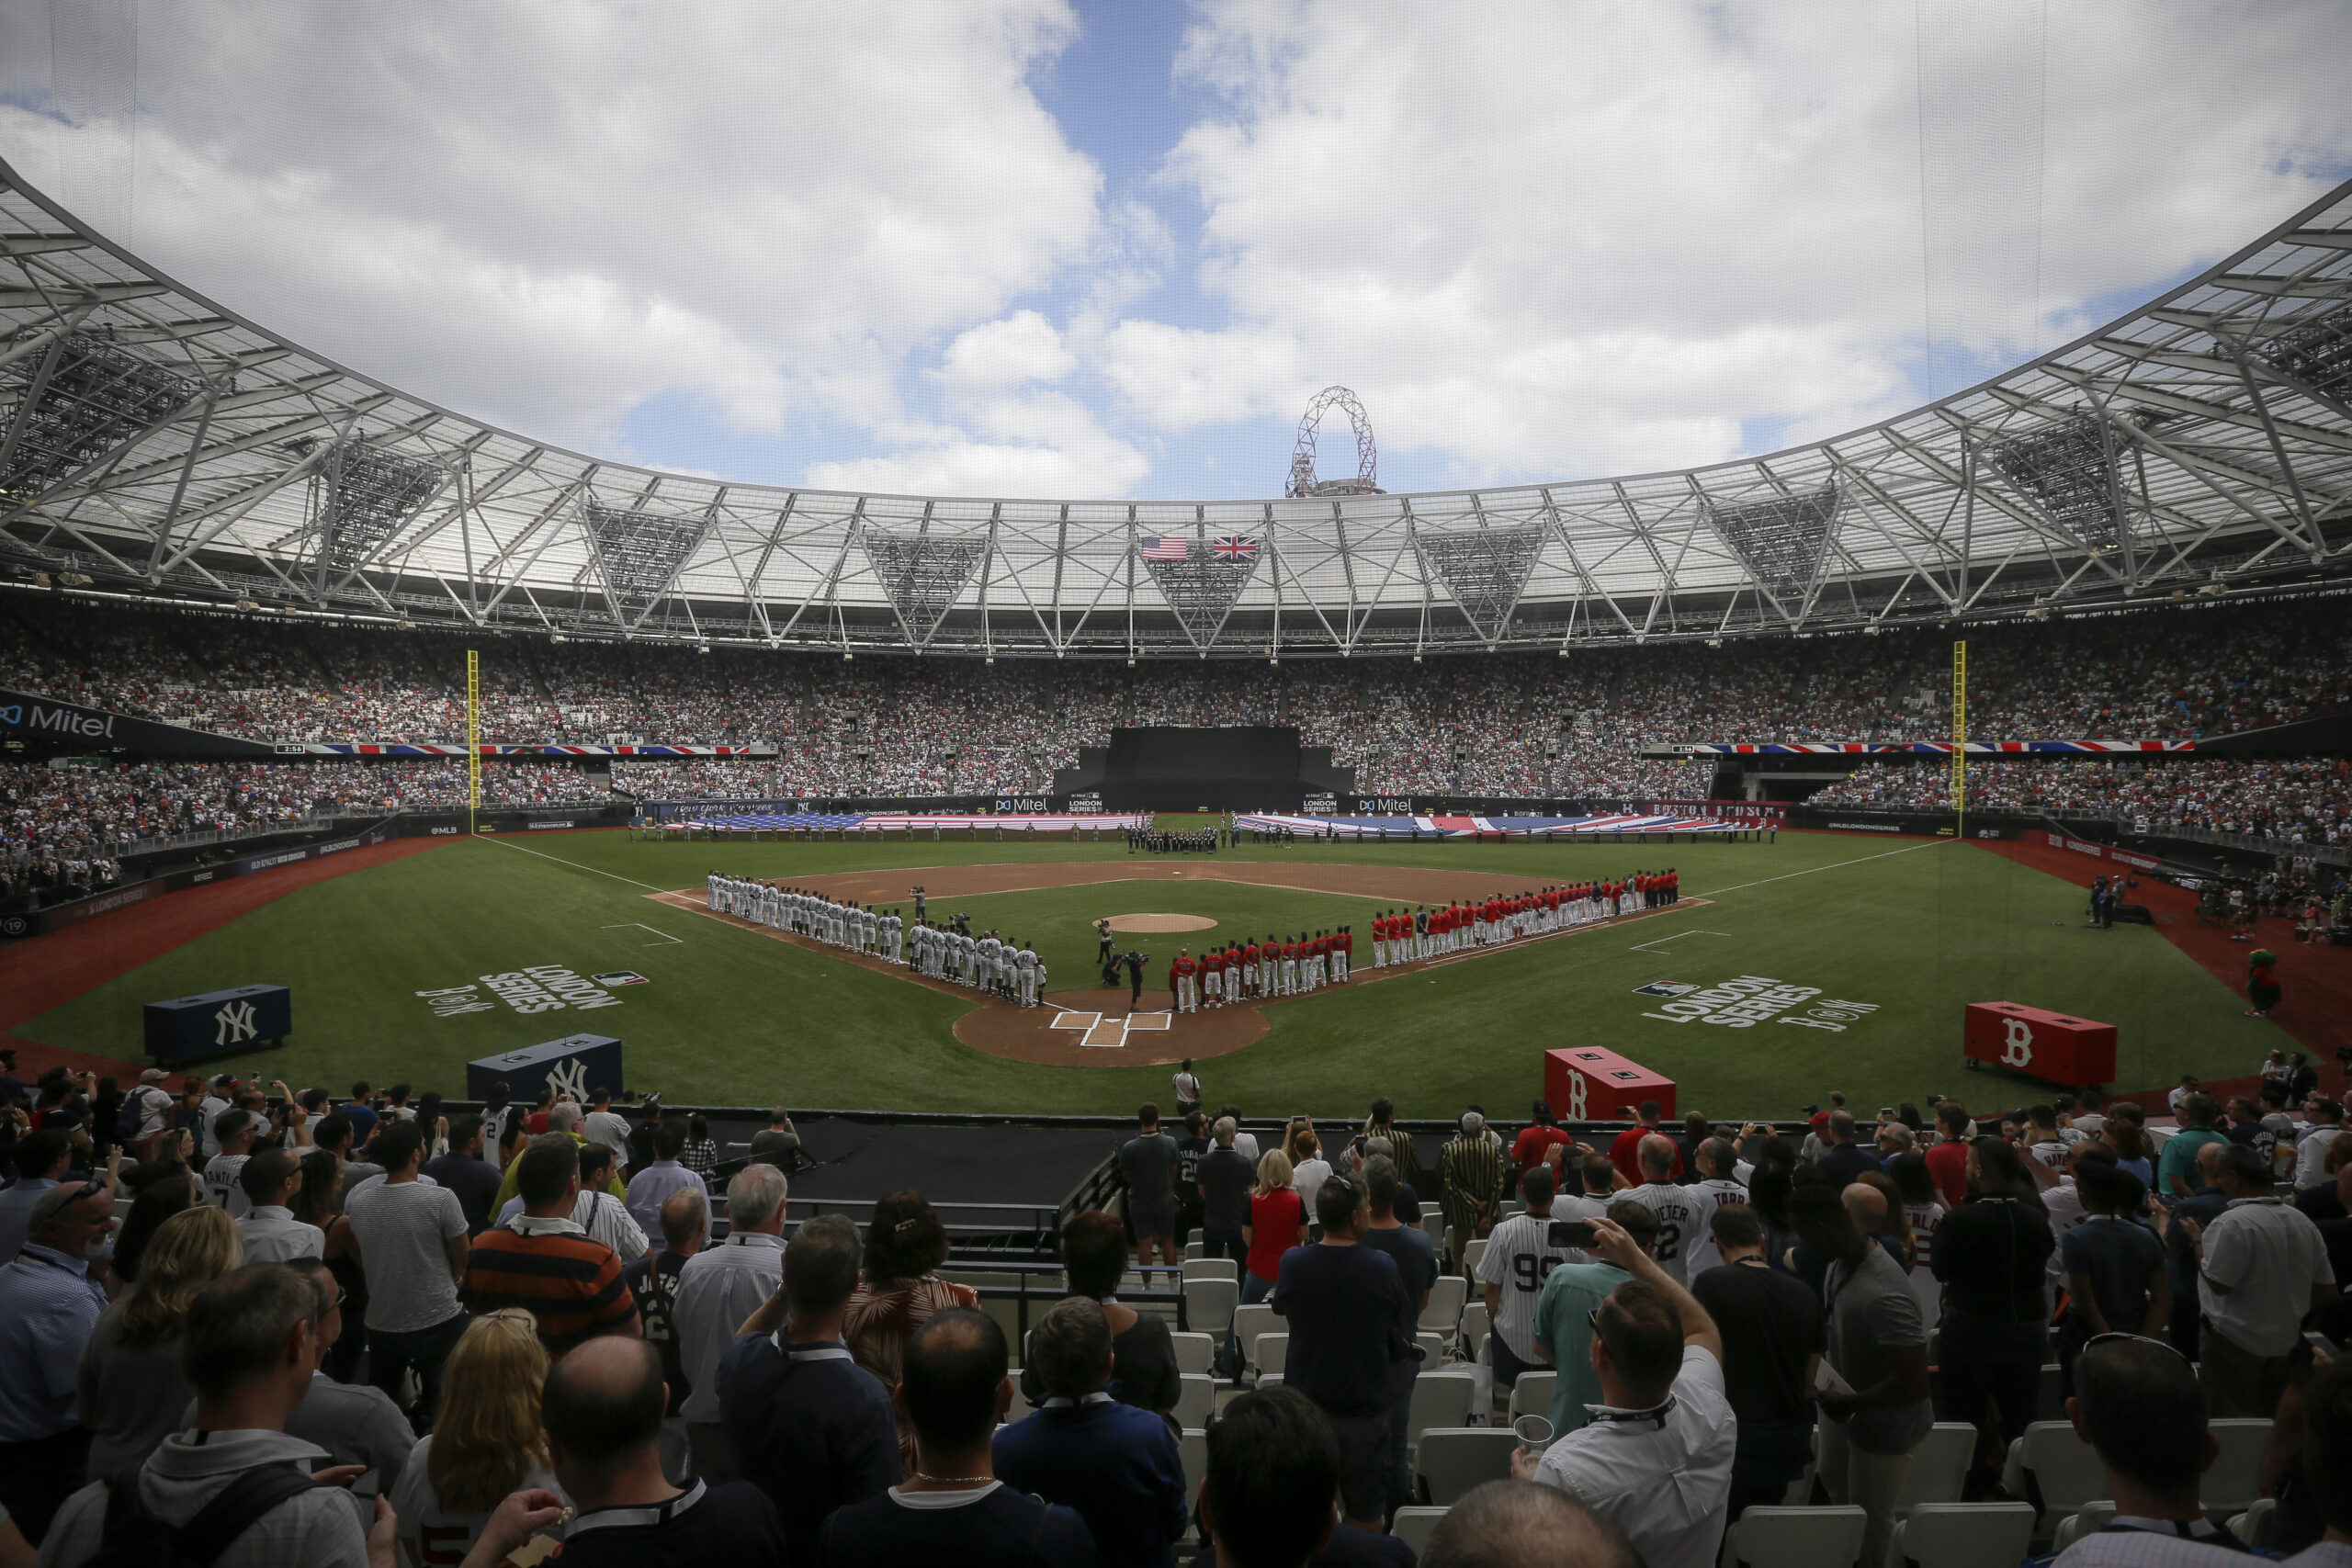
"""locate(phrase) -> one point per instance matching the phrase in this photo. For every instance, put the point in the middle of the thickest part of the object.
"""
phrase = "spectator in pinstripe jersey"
(1474, 1168)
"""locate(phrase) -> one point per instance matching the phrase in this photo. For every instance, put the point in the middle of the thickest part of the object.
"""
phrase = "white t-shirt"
(403, 1229)
(1519, 1259)
(605, 1127)
(2310, 1155)
(436, 1537)
(1306, 1178)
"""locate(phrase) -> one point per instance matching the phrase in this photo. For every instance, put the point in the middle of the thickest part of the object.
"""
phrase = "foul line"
(1719, 892)
(1678, 936)
(616, 876)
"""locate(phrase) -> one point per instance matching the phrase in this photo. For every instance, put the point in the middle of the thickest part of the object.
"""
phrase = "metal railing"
(2248, 843)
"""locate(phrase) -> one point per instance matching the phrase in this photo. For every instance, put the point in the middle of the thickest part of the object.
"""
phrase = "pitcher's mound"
(1160, 923)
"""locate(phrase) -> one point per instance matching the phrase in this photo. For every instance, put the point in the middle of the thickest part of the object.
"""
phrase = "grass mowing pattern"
(731, 1016)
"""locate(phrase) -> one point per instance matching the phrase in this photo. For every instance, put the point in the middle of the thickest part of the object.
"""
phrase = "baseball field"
(409, 966)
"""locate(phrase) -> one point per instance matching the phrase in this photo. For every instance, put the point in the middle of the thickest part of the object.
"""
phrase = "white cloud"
(1037, 444)
(1023, 347)
(1582, 240)
(548, 214)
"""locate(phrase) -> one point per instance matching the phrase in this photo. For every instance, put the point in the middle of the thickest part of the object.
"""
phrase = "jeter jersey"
(1707, 1197)
(1679, 1220)
(1519, 1259)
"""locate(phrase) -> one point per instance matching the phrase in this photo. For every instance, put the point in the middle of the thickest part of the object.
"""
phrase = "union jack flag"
(1232, 546)
(1165, 546)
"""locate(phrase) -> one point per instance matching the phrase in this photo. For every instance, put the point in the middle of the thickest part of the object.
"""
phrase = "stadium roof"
(152, 443)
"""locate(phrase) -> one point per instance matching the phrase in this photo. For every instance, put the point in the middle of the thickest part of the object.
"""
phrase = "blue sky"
(1021, 247)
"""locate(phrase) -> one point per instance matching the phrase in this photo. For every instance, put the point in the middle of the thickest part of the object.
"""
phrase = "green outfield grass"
(1913, 929)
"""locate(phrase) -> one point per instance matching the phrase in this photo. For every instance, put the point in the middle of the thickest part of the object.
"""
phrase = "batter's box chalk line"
(1678, 936)
(1095, 1024)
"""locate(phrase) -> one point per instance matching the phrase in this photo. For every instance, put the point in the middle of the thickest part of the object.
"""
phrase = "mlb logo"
(1664, 989)
(619, 977)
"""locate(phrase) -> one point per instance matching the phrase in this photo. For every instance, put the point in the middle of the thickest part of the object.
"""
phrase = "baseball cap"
(153, 1074)
(224, 1080)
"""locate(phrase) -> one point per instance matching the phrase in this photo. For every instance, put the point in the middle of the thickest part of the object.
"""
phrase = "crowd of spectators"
(1515, 723)
(473, 1330)
(63, 827)
(2307, 802)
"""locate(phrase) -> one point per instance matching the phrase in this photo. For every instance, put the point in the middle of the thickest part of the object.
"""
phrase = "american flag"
(1234, 546)
(1166, 547)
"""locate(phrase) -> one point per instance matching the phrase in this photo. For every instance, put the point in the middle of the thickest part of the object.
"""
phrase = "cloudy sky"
(1106, 249)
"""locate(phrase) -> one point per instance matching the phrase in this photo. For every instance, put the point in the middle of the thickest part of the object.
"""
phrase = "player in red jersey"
(1250, 955)
(1343, 953)
(1213, 978)
(1180, 980)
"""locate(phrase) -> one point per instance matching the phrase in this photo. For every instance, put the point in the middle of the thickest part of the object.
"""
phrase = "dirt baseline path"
(1096, 1028)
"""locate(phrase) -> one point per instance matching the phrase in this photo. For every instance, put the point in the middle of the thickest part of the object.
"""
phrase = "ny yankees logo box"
(576, 1065)
(218, 1022)
(2052, 1047)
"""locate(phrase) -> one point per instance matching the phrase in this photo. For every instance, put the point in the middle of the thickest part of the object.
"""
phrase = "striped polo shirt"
(554, 1270)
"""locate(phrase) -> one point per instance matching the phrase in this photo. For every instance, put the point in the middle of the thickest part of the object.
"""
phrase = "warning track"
(1028, 1035)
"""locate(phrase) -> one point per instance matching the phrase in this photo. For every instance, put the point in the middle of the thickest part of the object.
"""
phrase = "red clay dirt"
(48, 971)
(1027, 1035)
(2316, 1014)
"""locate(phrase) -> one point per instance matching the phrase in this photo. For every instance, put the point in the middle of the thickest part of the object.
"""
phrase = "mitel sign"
(28, 719)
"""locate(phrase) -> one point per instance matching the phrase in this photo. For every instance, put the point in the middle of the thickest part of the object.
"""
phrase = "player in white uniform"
(1677, 1211)
(1718, 1189)
(1025, 965)
(989, 950)
(1517, 1259)
(893, 933)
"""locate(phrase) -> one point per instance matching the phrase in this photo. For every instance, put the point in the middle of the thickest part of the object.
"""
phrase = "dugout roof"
(152, 443)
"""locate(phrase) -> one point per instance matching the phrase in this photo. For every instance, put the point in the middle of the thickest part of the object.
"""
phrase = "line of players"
(1241, 970)
(1406, 937)
(859, 928)
(987, 963)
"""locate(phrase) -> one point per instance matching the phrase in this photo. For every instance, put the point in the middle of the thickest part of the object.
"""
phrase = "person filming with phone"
(1655, 1458)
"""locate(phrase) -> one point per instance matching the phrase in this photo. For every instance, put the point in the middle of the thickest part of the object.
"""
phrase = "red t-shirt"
(1625, 1153)
(1947, 1164)
(1182, 966)
(1528, 1148)
(1274, 1220)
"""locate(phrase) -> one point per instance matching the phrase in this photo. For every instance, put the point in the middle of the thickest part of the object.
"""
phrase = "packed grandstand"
(1511, 726)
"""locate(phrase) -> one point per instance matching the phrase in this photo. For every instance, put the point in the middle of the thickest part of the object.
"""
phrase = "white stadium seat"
(1795, 1538)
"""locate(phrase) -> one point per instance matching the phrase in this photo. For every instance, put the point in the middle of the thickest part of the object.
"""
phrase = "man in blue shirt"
(49, 1303)
(1410, 1248)
(42, 1159)
(1116, 1464)
(1343, 1302)
(953, 1390)
(810, 1427)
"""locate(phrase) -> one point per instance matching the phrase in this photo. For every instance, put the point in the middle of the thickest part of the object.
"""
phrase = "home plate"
(1105, 1031)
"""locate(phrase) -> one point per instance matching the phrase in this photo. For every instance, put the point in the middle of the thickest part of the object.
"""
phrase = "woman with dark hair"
(429, 1122)
(898, 1292)
(2128, 1136)
(1143, 1358)
(1923, 1207)
(1908, 1114)
(320, 1204)
(160, 1195)
(701, 1153)
(105, 1110)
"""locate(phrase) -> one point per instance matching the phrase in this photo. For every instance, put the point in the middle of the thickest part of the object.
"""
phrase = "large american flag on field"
(1166, 547)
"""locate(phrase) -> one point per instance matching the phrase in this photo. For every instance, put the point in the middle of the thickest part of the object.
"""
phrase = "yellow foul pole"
(1959, 739)
(473, 737)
